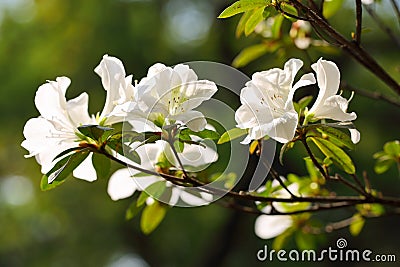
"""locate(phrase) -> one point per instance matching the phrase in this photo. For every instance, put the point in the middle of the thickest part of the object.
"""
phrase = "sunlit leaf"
(249, 54)
(132, 210)
(152, 216)
(392, 148)
(62, 170)
(284, 149)
(242, 23)
(289, 10)
(204, 134)
(336, 154)
(231, 135)
(102, 165)
(243, 6)
(357, 224)
(94, 131)
(331, 7)
(154, 190)
(336, 136)
(383, 164)
(305, 241)
(255, 18)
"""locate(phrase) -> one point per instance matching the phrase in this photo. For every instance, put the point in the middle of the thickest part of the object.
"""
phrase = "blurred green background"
(77, 224)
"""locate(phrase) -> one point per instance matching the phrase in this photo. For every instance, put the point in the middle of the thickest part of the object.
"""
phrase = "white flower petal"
(193, 119)
(355, 136)
(78, 109)
(270, 226)
(85, 170)
(112, 73)
(121, 184)
(50, 99)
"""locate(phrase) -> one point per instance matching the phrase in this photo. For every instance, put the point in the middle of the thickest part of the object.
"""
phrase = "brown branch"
(373, 95)
(396, 9)
(357, 37)
(356, 51)
(382, 25)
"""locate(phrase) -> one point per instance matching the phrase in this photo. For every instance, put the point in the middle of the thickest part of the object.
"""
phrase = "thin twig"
(382, 25)
(373, 95)
(357, 36)
(396, 9)
(353, 49)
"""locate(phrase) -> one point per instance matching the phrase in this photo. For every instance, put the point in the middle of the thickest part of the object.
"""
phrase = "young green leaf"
(289, 10)
(243, 6)
(242, 23)
(336, 136)
(154, 190)
(132, 211)
(255, 18)
(335, 153)
(330, 8)
(94, 131)
(102, 165)
(62, 169)
(392, 148)
(357, 224)
(204, 134)
(285, 148)
(383, 164)
(231, 135)
(249, 54)
(152, 216)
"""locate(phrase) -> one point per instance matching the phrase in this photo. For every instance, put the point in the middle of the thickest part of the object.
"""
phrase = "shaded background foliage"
(78, 224)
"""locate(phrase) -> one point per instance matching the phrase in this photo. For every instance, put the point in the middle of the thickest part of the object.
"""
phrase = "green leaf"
(255, 18)
(115, 143)
(102, 165)
(132, 211)
(289, 9)
(68, 151)
(62, 169)
(336, 136)
(276, 27)
(392, 148)
(94, 131)
(357, 224)
(45, 186)
(336, 154)
(179, 146)
(204, 134)
(242, 23)
(284, 149)
(152, 216)
(311, 169)
(331, 7)
(231, 135)
(302, 103)
(243, 6)
(154, 190)
(383, 164)
(249, 54)
(305, 241)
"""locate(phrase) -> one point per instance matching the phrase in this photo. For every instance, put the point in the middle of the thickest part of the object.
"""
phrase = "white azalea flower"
(270, 226)
(267, 103)
(120, 91)
(56, 129)
(328, 104)
(122, 184)
(173, 93)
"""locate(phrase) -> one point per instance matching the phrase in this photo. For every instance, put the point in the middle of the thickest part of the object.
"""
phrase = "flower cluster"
(267, 101)
(166, 135)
